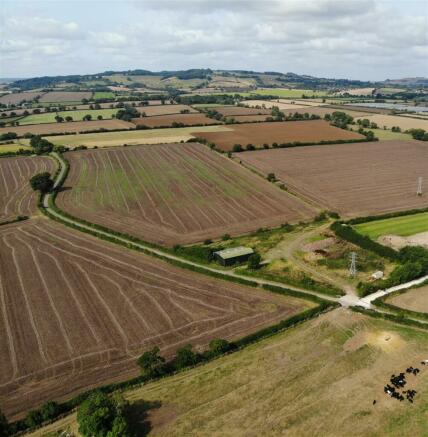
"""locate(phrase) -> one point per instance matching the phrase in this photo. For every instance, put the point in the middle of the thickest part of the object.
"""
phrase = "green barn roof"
(234, 252)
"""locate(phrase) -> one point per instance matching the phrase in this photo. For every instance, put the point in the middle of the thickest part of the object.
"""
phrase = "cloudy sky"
(357, 39)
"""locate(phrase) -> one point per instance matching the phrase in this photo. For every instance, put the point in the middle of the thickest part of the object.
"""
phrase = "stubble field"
(173, 194)
(152, 110)
(415, 299)
(277, 132)
(16, 195)
(65, 96)
(76, 312)
(353, 179)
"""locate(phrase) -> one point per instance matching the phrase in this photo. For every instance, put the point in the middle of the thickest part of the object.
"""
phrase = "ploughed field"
(168, 120)
(228, 111)
(72, 126)
(16, 195)
(76, 312)
(353, 179)
(173, 194)
(312, 131)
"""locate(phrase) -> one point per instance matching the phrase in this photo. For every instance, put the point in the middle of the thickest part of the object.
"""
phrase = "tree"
(96, 415)
(151, 363)
(271, 177)
(50, 410)
(87, 117)
(254, 261)
(59, 119)
(69, 118)
(4, 425)
(41, 145)
(100, 117)
(34, 418)
(219, 346)
(42, 182)
(185, 357)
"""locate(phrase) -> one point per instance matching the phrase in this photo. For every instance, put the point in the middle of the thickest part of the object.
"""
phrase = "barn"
(233, 255)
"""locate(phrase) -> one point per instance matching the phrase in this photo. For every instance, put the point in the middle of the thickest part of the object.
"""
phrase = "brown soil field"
(277, 132)
(415, 299)
(173, 194)
(249, 118)
(404, 123)
(164, 109)
(73, 126)
(65, 96)
(16, 195)
(228, 111)
(15, 98)
(76, 312)
(353, 179)
(167, 120)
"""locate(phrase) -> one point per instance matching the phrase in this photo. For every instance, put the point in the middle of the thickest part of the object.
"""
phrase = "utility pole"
(353, 266)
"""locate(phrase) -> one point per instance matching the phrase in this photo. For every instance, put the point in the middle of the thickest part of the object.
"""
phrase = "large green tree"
(42, 182)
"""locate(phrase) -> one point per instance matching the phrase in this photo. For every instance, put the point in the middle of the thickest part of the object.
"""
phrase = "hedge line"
(19, 218)
(348, 233)
(373, 218)
(390, 317)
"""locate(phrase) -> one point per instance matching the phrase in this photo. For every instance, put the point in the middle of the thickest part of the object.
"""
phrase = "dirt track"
(16, 195)
(353, 179)
(78, 310)
(173, 194)
(277, 132)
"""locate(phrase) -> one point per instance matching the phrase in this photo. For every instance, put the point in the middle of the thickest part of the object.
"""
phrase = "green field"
(402, 226)
(103, 95)
(14, 147)
(386, 134)
(151, 136)
(49, 117)
(317, 379)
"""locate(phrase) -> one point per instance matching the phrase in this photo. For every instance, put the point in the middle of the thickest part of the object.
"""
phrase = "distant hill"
(202, 78)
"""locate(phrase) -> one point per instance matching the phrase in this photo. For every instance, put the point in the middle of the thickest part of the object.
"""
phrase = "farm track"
(16, 195)
(173, 194)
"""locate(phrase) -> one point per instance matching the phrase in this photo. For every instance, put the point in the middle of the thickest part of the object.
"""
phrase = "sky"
(353, 39)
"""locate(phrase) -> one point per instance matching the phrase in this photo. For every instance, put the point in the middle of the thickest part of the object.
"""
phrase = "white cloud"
(341, 38)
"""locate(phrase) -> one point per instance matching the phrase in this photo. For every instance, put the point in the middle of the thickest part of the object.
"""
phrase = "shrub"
(151, 363)
(254, 261)
(185, 357)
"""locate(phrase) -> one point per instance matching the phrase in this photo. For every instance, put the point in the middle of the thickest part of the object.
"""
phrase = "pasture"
(16, 195)
(152, 136)
(277, 132)
(103, 95)
(49, 117)
(77, 312)
(168, 120)
(65, 96)
(319, 378)
(352, 179)
(415, 299)
(73, 126)
(403, 226)
(173, 194)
